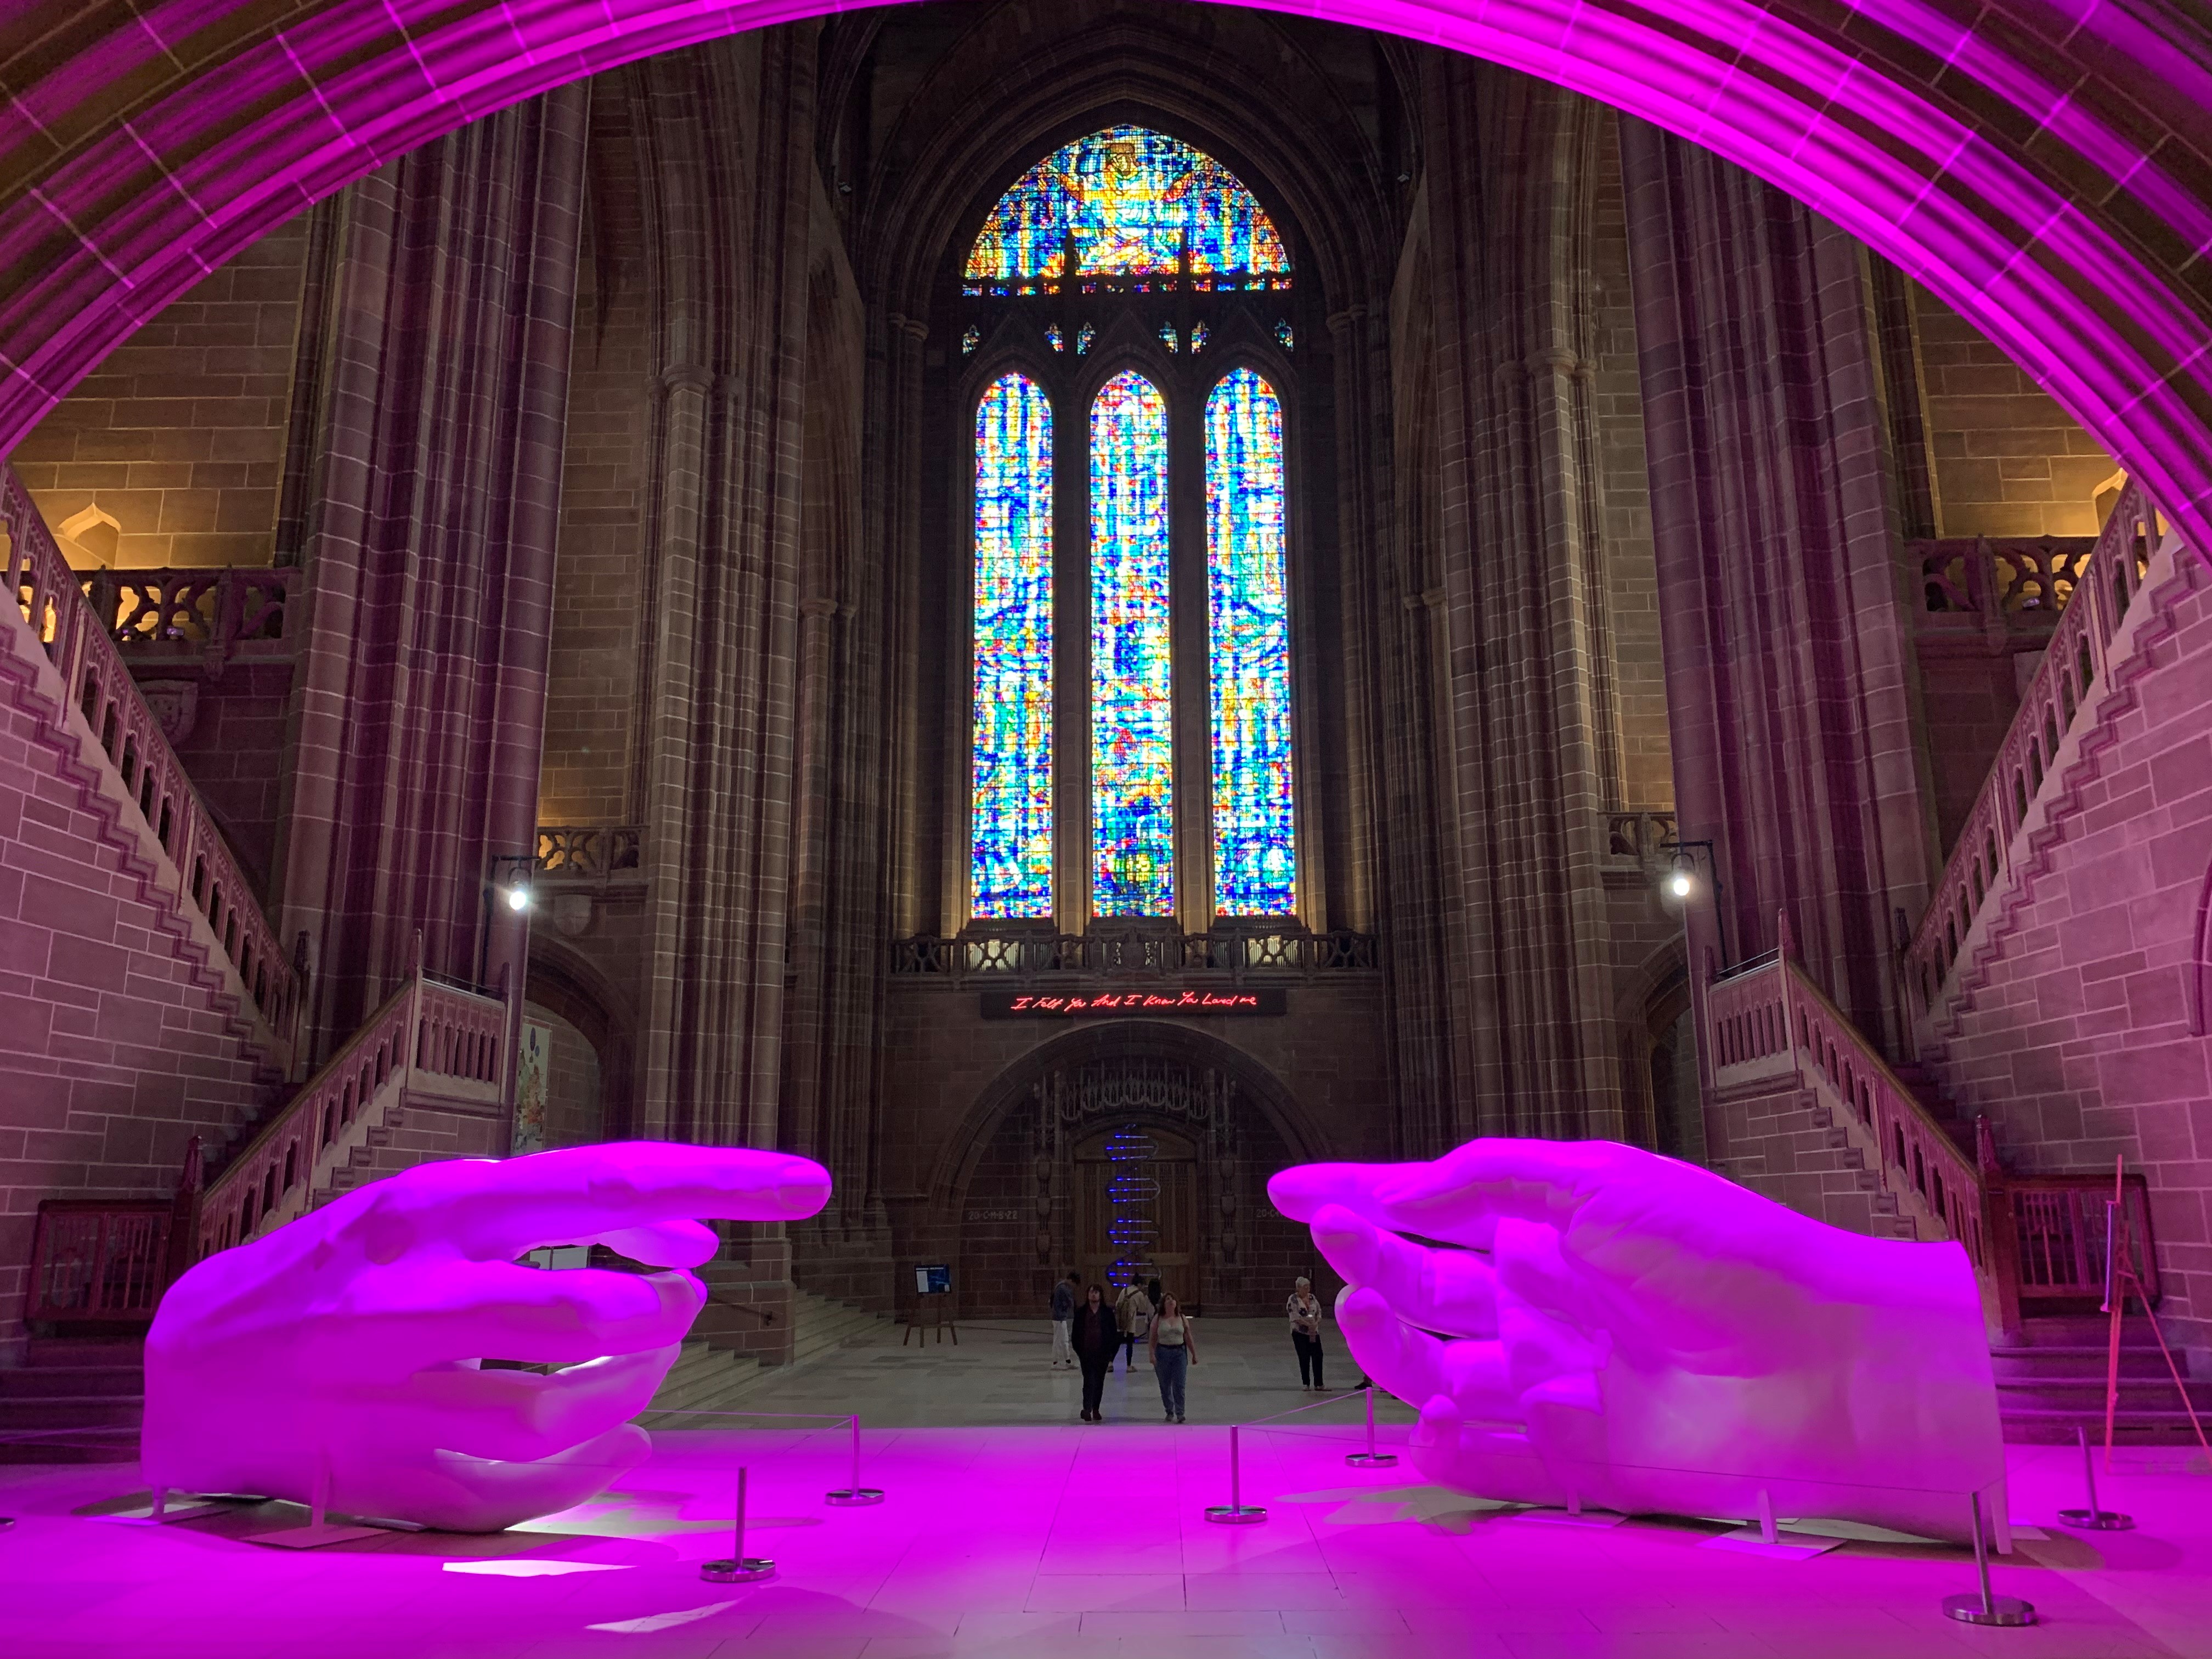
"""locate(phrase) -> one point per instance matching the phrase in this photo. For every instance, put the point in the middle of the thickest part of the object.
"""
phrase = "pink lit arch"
(2068, 215)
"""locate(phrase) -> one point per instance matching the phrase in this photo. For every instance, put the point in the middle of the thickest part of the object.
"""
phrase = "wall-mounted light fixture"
(1680, 882)
(508, 875)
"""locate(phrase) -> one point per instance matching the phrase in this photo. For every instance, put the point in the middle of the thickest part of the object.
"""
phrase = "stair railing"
(425, 1030)
(79, 641)
(2048, 1241)
(2074, 664)
(1767, 1022)
(96, 1261)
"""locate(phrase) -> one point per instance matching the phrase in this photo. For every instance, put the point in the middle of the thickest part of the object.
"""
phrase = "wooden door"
(1141, 1184)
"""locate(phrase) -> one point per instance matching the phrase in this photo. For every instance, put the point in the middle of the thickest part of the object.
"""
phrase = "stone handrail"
(79, 642)
(197, 617)
(2074, 664)
(2011, 584)
(1001, 959)
(1772, 1024)
(424, 1030)
(589, 852)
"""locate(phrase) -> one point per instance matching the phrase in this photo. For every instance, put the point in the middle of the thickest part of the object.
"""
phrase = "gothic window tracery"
(1011, 785)
(1153, 246)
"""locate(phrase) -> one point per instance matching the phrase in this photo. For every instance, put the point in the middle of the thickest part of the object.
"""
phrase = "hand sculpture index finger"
(1461, 1196)
(581, 1193)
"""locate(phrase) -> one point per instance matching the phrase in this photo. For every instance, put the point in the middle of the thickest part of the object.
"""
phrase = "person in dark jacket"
(1095, 1338)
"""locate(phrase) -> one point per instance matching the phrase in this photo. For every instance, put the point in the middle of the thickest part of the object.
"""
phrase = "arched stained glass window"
(1130, 201)
(1132, 689)
(1012, 794)
(1254, 849)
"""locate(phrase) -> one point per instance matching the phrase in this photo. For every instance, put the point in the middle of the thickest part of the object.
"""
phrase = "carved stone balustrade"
(1637, 838)
(2003, 588)
(597, 854)
(1235, 950)
(202, 620)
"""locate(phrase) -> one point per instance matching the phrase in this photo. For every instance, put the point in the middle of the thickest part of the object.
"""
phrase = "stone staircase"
(74, 1400)
(705, 1378)
(2053, 1381)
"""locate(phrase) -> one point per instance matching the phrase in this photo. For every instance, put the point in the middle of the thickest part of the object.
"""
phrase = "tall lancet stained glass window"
(1132, 691)
(1130, 201)
(1254, 849)
(1013, 780)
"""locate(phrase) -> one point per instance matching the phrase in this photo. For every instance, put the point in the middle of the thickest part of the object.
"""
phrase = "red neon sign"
(1049, 1005)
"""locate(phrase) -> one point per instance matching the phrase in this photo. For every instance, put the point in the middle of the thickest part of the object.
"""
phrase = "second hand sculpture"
(337, 1361)
(1607, 1328)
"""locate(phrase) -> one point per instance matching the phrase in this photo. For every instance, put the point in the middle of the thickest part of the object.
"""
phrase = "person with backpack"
(1063, 1312)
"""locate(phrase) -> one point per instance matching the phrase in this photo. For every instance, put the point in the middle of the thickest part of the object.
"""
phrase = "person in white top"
(1304, 1310)
(1174, 1348)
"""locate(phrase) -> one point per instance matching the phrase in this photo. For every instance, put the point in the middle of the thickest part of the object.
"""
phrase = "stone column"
(1513, 994)
(418, 706)
(727, 133)
(1792, 690)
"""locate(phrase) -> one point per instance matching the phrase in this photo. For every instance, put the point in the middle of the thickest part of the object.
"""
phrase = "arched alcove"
(1019, 1173)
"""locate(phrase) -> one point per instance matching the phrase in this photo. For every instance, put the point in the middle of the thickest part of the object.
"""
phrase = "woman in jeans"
(1304, 1310)
(1174, 1351)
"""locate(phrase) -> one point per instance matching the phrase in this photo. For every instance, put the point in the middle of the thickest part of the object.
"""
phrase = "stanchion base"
(1372, 1460)
(853, 1497)
(185, 1510)
(748, 1570)
(2097, 1520)
(312, 1537)
(1236, 1514)
(2007, 1610)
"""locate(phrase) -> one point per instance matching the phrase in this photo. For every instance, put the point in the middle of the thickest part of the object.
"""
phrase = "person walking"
(1133, 1312)
(1174, 1348)
(1095, 1338)
(1063, 1313)
(1304, 1310)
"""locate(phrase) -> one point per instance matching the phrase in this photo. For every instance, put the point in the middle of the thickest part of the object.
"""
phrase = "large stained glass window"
(1012, 793)
(1255, 851)
(1132, 691)
(1130, 201)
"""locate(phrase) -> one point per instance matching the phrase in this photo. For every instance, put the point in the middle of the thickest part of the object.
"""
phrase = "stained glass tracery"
(1011, 796)
(1254, 844)
(1131, 689)
(1130, 201)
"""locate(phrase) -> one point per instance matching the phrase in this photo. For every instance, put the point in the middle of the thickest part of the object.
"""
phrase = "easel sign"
(932, 1296)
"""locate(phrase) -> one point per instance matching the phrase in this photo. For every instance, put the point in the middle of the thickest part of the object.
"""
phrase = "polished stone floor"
(1000, 1374)
(1089, 1542)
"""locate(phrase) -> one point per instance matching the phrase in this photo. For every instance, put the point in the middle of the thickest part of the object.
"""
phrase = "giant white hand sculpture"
(340, 1353)
(1645, 1336)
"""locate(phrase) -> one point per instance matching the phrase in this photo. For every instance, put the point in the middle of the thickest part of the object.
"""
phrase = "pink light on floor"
(1041, 1543)
(144, 149)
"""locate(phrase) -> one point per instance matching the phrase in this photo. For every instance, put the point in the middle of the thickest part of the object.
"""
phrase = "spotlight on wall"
(1680, 882)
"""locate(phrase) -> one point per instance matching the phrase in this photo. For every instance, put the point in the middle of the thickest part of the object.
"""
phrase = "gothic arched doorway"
(1201, 1122)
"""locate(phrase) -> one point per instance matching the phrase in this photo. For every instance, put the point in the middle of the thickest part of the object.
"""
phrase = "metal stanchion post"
(1986, 1609)
(741, 1568)
(2093, 1519)
(1371, 1459)
(1237, 1512)
(854, 1496)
